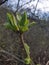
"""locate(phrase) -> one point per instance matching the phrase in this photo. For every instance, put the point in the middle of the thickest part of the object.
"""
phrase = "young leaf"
(15, 22)
(8, 26)
(31, 24)
(27, 60)
(23, 22)
(9, 18)
(23, 28)
(27, 49)
(12, 21)
(18, 16)
(23, 19)
(27, 22)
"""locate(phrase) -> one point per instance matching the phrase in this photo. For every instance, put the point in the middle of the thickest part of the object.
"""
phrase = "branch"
(18, 4)
(3, 2)
(16, 58)
(47, 63)
(36, 6)
(23, 5)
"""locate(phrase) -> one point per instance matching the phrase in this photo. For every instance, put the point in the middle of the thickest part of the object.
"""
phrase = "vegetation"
(20, 24)
(38, 36)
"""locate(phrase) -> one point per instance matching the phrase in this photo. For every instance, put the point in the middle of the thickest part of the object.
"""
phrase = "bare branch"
(18, 4)
(16, 58)
(2, 2)
(23, 5)
(36, 6)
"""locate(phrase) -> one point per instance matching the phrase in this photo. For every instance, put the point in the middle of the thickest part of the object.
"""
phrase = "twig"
(36, 6)
(23, 5)
(18, 4)
(16, 58)
(47, 63)
(2, 2)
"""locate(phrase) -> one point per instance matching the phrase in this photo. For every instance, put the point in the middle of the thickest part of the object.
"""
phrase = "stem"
(21, 50)
(21, 39)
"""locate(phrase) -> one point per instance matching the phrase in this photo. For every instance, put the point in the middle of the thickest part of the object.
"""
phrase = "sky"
(42, 5)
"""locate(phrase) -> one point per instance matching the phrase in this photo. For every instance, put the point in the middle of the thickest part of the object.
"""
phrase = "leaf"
(31, 24)
(27, 49)
(23, 19)
(26, 22)
(23, 28)
(27, 60)
(12, 21)
(18, 16)
(9, 18)
(8, 26)
(18, 23)
(23, 22)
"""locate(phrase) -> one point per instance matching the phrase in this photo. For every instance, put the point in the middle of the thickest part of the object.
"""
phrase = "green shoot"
(20, 23)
